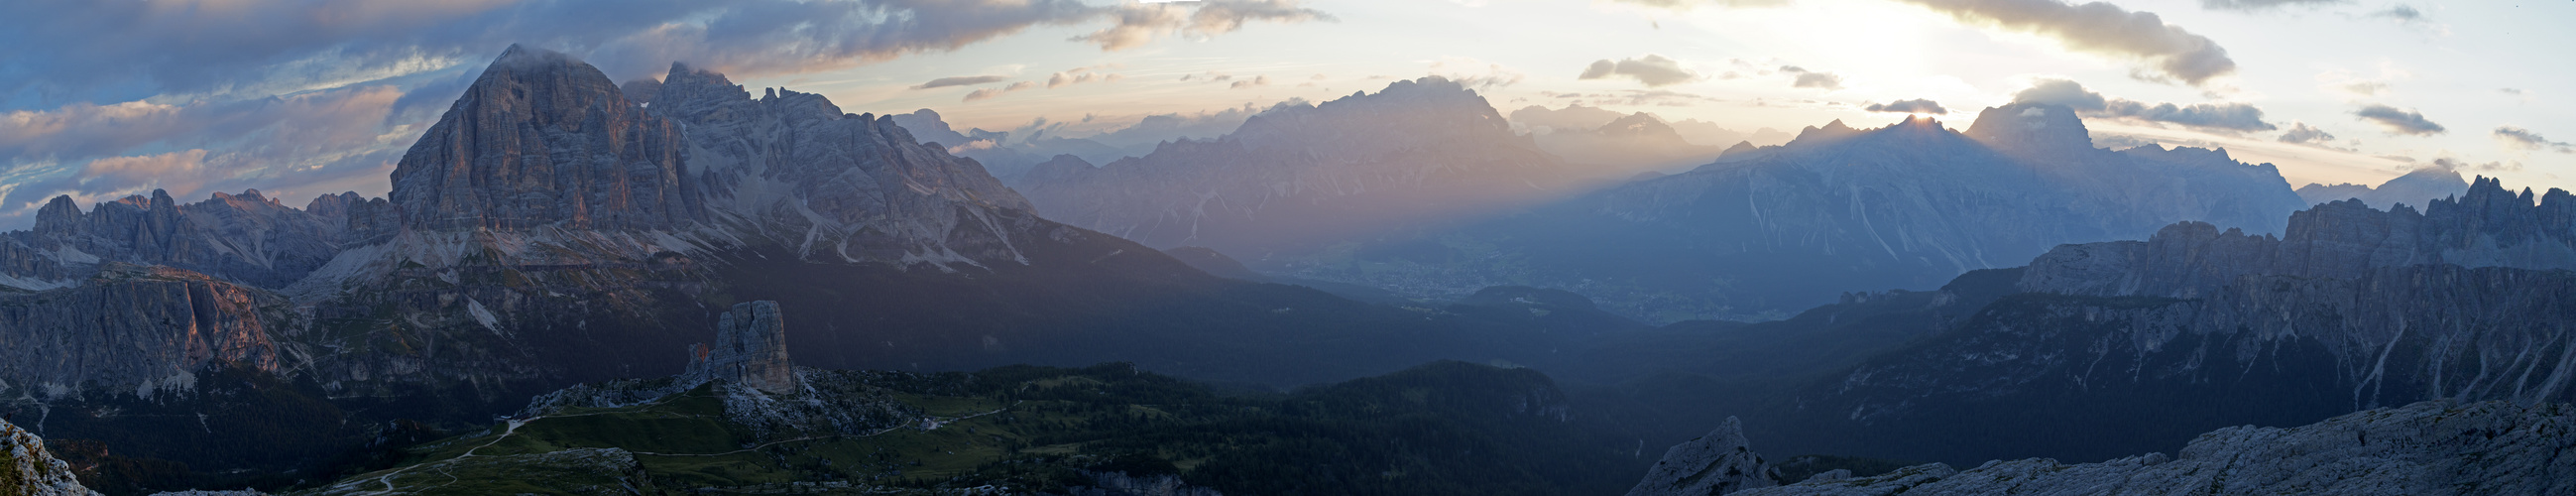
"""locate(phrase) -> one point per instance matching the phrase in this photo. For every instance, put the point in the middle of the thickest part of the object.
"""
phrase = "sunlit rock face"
(541, 139)
(1299, 176)
(2428, 448)
(142, 329)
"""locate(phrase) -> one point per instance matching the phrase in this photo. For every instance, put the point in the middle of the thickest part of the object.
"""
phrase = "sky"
(298, 98)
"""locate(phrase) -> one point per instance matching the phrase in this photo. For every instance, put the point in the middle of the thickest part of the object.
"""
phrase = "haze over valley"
(1249, 247)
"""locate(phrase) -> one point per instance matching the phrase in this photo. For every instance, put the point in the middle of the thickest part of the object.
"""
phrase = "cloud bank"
(2224, 117)
(1915, 106)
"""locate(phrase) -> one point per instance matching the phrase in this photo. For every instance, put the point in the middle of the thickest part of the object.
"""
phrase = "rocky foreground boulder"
(27, 469)
(2427, 448)
(1719, 463)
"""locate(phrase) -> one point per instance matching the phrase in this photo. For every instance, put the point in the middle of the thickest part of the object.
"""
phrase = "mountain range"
(550, 230)
(1765, 231)
(1299, 178)
(2131, 345)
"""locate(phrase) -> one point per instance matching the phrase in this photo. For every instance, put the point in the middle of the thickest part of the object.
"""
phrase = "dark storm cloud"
(2170, 52)
(2398, 121)
(1915, 106)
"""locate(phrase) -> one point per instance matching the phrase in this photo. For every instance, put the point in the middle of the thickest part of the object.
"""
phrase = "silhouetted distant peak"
(1638, 124)
(1831, 131)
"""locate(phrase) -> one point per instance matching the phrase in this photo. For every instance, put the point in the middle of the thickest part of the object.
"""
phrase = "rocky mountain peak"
(1812, 135)
(334, 206)
(2032, 129)
(1064, 167)
(750, 349)
(1406, 114)
(542, 139)
(1741, 147)
(692, 94)
(58, 215)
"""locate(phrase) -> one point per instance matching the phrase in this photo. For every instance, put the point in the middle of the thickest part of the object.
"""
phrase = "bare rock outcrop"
(750, 349)
(27, 469)
(1721, 462)
(2430, 448)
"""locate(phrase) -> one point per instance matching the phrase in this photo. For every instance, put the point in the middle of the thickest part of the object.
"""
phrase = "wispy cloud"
(1811, 79)
(1135, 24)
(961, 81)
(2169, 51)
(2399, 121)
(2519, 139)
(1655, 71)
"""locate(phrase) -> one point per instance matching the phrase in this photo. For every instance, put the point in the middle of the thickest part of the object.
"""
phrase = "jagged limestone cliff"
(147, 330)
(2488, 226)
